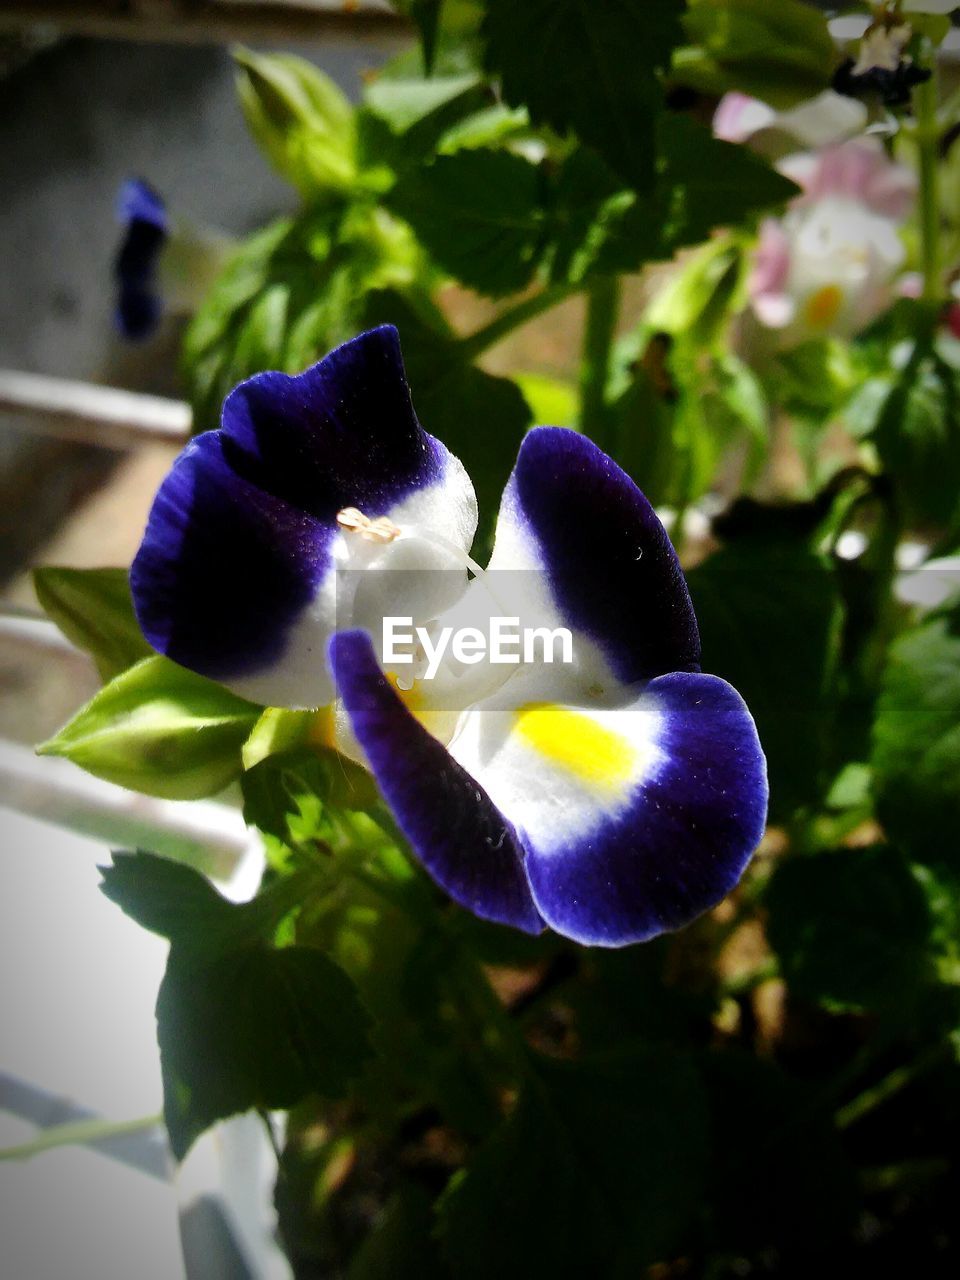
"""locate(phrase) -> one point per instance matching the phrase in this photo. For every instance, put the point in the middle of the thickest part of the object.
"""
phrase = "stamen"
(380, 530)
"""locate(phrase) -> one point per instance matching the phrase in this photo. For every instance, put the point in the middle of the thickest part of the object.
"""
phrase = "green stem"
(475, 344)
(603, 308)
(928, 137)
(78, 1133)
(890, 1085)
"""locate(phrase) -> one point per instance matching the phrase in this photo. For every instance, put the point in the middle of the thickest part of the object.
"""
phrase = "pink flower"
(828, 266)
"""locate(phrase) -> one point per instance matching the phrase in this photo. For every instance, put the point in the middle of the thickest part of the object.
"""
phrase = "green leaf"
(406, 104)
(477, 213)
(159, 729)
(587, 67)
(697, 294)
(606, 1159)
(782, 53)
(643, 421)
(285, 795)
(93, 609)
(426, 14)
(552, 402)
(302, 121)
(254, 1027)
(851, 928)
(240, 1024)
(702, 183)
(916, 742)
(769, 616)
(917, 435)
(167, 898)
(711, 183)
(293, 292)
(587, 209)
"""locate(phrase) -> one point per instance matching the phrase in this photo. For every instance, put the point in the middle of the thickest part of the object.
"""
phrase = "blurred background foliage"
(775, 1088)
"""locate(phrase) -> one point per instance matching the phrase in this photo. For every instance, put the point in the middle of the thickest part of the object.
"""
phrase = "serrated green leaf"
(477, 213)
(240, 1024)
(181, 905)
(587, 67)
(254, 1027)
(916, 742)
(167, 897)
(93, 609)
(851, 928)
(159, 729)
(596, 226)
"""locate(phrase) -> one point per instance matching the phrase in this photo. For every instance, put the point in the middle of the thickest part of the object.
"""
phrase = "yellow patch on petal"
(593, 753)
(823, 307)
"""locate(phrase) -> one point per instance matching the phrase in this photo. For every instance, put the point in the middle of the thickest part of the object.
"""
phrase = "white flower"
(825, 119)
(827, 266)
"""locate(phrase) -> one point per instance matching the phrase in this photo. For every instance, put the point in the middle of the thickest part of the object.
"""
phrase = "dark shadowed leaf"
(401, 1246)
(587, 67)
(477, 213)
(607, 1160)
(168, 898)
(917, 434)
(851, 928)
(769, 614)
(779, 1176)
(253, 1027)
(710, 183)
(916, 742)
(240, 1023)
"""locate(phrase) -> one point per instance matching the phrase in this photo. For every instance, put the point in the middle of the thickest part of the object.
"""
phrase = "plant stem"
(603, 308)
(514, 318)
(78, 1133)
(890, 1085)
(928, 135)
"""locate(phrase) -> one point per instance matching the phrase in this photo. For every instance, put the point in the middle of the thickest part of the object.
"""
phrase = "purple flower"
(611, 796)
(143, 217)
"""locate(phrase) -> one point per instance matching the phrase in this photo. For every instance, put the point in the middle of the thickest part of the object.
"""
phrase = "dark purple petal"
(612, 570)
(234, 576)
(142, 214)
(462, 839)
